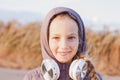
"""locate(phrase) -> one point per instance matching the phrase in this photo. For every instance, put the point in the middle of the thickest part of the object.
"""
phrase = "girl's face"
(63, 38)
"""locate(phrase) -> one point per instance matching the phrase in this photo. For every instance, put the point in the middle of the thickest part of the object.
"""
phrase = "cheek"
(52, 46)
(75, 45)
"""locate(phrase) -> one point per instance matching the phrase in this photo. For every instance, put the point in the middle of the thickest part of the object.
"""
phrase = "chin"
(63, 61)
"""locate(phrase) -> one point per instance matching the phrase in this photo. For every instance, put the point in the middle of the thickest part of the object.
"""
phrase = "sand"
(13, 74)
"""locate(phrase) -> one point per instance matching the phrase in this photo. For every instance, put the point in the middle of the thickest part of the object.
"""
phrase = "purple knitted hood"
(46, 52)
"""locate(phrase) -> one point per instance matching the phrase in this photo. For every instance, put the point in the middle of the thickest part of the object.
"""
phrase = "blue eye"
(71, 38)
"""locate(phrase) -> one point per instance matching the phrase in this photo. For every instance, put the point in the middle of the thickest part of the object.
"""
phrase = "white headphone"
(50, 69)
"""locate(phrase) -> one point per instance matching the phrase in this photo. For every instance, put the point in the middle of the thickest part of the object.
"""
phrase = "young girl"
(63, 45)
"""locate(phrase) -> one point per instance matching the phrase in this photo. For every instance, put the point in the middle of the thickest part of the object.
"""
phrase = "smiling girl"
(63, 42)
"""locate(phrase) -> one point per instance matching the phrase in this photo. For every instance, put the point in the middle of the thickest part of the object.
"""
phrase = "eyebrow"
(68, 34)
(72, 34)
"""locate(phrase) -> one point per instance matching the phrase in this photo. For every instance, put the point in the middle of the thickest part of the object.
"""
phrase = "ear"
(50, 70)
(78, 69)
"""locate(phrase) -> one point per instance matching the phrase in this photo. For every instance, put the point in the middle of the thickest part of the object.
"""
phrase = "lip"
(63, 53)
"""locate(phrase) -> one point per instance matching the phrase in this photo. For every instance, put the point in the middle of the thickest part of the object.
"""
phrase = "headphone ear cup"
(50, 70)
(78, 69)
(71, 69)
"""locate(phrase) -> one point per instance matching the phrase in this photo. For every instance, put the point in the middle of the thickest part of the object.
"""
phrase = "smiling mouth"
(64, 53)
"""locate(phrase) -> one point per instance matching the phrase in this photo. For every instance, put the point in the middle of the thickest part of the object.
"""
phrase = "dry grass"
(20, 48)
(104, 50)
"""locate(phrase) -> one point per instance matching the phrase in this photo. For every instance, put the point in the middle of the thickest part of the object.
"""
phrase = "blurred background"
(20, 23)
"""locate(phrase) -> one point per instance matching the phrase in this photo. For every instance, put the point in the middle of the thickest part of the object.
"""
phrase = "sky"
(98, 11)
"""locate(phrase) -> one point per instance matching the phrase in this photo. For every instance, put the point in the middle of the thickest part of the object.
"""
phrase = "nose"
(63, 44)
